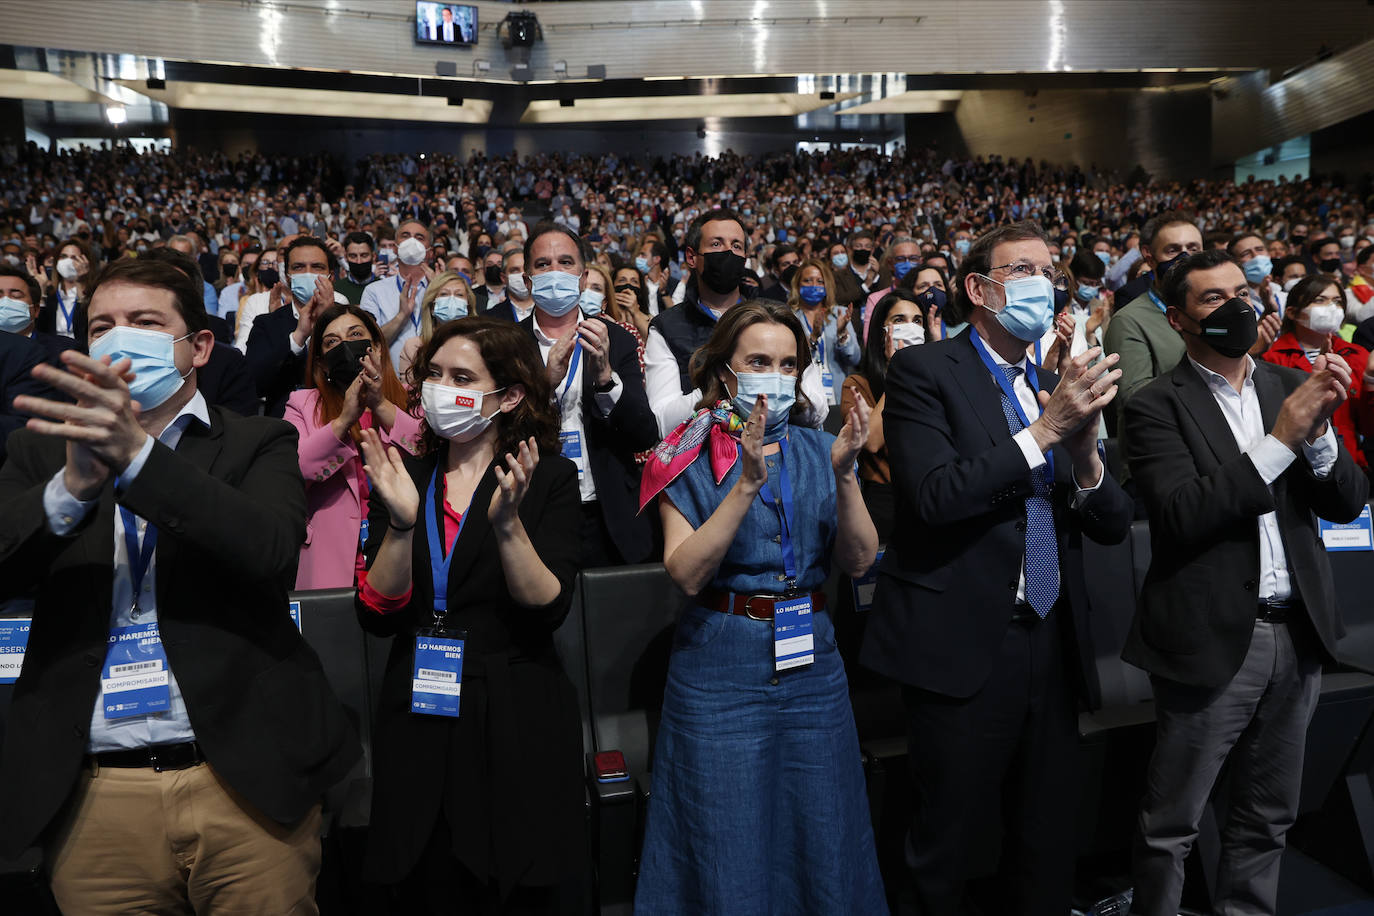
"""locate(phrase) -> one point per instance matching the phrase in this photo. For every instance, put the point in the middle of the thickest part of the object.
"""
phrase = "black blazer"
(226, 382)
(54, 345)
(612, 441)
(947, 583)
(275, 369)
(507, 773)
(230, 510)
(18, 357)
(1197, 608)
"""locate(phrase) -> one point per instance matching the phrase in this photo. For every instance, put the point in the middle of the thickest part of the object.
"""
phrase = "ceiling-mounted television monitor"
(445, 23)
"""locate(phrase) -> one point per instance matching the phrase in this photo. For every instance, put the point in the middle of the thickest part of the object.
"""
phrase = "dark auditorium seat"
(628, 617)
(23, 886)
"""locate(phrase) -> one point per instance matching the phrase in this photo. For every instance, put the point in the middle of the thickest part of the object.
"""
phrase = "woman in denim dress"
(758, 802)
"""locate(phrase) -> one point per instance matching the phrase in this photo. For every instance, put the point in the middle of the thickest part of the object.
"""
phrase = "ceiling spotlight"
(116, 114)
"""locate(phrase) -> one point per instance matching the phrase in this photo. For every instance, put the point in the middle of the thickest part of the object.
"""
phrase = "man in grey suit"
(1234, 459)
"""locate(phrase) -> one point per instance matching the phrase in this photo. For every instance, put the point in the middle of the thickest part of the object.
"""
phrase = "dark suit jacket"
(54, 345)
(18, 356)
(848, 289)
(1197, 609)
(275, 369)
(1364, 334)
(226, 381)
(947, 583)
(611, 443)
(229, 506)
(507, 773)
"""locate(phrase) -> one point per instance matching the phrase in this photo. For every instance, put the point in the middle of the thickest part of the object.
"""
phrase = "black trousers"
(1005, 755)
(597, 547)
(440, 885)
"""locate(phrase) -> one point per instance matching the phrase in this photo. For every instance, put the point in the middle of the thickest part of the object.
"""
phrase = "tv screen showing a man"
(444, 23)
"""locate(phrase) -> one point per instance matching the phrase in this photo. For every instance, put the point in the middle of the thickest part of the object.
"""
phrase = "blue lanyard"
(1002, 382)
(1037, 353)
(139, 559)
(439, 561)
(1156, 300)
(785, 515)
(572, 373)
(820, 341)
(415, 314)
(66, 310)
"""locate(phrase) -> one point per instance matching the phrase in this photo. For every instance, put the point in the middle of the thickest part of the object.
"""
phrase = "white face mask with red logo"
(455, 413)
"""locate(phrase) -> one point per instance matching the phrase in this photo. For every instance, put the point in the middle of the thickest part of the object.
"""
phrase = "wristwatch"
(603, 389)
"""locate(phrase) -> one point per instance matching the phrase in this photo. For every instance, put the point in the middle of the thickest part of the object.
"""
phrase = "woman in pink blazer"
(354, 388)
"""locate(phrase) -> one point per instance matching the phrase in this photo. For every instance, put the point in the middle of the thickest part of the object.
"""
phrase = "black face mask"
(1297, 240)
(785, 278)
(861, 256)
(360, 270)
(492, 274)
(934, 296)
(230, 270)
(1162, 270)
(1061, 300)
(641, 294)
(344, 363)
(1231, 328)
(1330, 265)
(268, 277)
(721, 271)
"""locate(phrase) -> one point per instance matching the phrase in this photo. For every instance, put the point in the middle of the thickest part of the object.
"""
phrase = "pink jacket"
(333, 491)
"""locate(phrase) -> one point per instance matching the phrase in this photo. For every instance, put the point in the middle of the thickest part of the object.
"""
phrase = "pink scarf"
(719, 425)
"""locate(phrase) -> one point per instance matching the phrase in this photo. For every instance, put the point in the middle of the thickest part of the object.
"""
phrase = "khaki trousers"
(181, 841)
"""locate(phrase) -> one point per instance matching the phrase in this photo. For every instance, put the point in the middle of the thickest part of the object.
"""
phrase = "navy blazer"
(947, 583)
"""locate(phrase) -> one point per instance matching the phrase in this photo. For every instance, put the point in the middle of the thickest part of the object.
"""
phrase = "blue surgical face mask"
(303, 286)
(1105, 257)
(14, 315)
(156, 377)
(840, 261)
(812, 295)
(780, 389)
(590, 302)
(555, 292)
(1257, 268)
(1086, 293)
(1029, 312)
(642, 265)
(450, 308)
(962, 246)
(901, 268)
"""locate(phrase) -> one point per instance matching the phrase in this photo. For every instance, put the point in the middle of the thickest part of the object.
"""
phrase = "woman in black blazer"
(481, 809)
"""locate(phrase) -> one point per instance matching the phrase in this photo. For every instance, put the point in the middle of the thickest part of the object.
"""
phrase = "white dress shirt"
(1025, 440)
(382, 299)
(1270, 458)
(64, 513)
(255, 306)
(568, 395)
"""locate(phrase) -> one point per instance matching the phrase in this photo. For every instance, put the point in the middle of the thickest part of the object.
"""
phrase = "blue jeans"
(758, 803)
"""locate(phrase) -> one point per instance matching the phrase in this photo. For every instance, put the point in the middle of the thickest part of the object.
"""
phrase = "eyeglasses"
(906, 259)
(1023, 270)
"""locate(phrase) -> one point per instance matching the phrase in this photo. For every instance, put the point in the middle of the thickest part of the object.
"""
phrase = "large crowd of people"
(498, 371)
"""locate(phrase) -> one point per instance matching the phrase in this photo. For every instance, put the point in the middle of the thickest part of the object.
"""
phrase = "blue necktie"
(1042, 548)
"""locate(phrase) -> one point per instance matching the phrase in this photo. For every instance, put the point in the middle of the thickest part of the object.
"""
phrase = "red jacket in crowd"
(1356, 415)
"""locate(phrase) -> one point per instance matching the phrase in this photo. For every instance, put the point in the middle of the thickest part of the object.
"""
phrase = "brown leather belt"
(755, 607)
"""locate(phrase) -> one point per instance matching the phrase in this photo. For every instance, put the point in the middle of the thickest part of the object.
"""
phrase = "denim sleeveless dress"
(758, 803)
